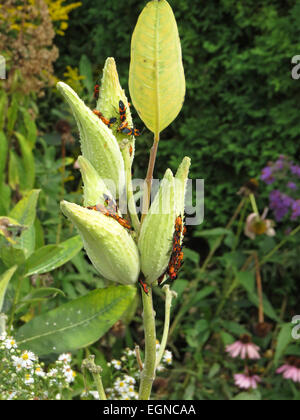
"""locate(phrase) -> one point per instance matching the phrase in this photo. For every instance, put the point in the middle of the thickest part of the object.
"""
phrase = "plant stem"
(253, 204)
(220, 239)
(169, 296)
(89, 364)
(259, 290)
(148, 373)
(15, 302)
(130, 199)
(277, 247)
(138, 357)
(149, 177)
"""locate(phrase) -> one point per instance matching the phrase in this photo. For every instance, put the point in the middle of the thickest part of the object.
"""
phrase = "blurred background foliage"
(240, 112)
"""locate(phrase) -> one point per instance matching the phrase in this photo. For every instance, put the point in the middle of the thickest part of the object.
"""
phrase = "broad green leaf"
(213, 232)
(76, 324)
(85, 68)
(283, 340)
(156, 75)
(42, 292)
(25, 210)
(12, 256)
(247, 280)
(27, 180)
(26, 242)
(12, 114)
(3, 155)
(248, 396)
(14, 170)
(31, 129)
(4, 280)
(3, 104)
(49, 257)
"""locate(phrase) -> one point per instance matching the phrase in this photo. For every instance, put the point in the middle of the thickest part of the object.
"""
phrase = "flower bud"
(109, 246)
(98, 144)
(155, 241)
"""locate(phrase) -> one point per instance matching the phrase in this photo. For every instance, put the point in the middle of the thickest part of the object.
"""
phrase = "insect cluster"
(176, 259)
(110, 209)
(123, 127)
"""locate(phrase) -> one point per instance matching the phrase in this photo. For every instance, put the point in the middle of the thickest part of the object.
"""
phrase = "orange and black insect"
(96, 91)
(130, 150)
(131, 131)
(109, 122)
(110, 209)
(176, 259)
(122, 111)
(144, 286)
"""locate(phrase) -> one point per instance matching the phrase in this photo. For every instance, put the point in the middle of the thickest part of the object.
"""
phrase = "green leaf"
(42, 292)
(3, 155)
(85, 68)
(25, 210)
(248, 396)
(247, 280)
(4, 280)
(31, 128)
(14, 170)
(156, 75)
(12, 114)
(3, 104)
(49, 257)
(213, 232)
(27, 180)
(76, 324)
(283, 340)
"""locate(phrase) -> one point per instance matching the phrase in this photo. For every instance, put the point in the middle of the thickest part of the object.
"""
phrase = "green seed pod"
(155, 241)
(110, 94)
(109, 246)
(180, 185)
(94, 190)
(98, 144)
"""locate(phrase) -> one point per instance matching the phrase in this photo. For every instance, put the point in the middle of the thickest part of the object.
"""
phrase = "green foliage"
(241, 104)
(76, 324)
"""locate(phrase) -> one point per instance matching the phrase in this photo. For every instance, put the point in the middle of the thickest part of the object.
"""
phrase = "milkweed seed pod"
(98, 144)
(156, 234)
(94, 189)
(110, 94)
(108, 245)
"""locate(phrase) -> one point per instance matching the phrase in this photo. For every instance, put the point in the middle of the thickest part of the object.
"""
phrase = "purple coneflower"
(246, 380)
(259, 225)
(244, 348)
(291, 370)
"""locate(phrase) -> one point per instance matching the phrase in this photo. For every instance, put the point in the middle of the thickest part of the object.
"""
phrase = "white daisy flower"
(39, 371)
(116, 364)
(27, 359)
(129, 380)
(167, 357)
(65, 357)
(10, 343)
(28, 379)
(18, 363)
(120, 385)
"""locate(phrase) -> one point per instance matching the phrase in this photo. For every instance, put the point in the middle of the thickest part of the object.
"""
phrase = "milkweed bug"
(131, 131)
(176, 259)
(110, 209)
(109, 122)
(144, 286)
(122, 111)
(96, 91)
